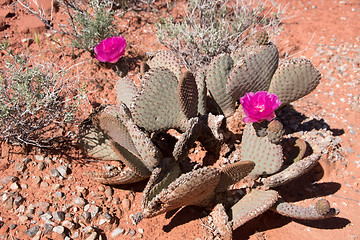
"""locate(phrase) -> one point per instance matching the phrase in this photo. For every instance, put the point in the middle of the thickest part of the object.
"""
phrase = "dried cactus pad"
(192, 188)
(157, 106)
(253, 71)
(125, 90)
(111, 121)
(252, 205)
(267, 156)
(95, 142)
(294, 79)
(188, 95)
(167, 60)
(232, 173)
(136, 149)
(216, 77)
(306, 213)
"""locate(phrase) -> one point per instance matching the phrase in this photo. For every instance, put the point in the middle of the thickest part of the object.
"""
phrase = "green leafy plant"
(37, 104)
(93, 24)
(88, 22)
(211, 27)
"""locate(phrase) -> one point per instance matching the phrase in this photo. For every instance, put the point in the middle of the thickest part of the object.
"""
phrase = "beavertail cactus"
(197, 106)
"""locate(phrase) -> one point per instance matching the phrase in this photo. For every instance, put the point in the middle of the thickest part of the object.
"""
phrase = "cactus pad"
(294, 79)
(202, 92)
(310, 213)
(95, 142)
(167, 60)
(251, 206)
(216, 77)
(125, 90)
(253, 71)
(188, 95)
(157, 106)
(192, 188)
(267, 156)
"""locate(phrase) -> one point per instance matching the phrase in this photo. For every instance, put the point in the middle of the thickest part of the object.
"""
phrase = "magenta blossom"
(259, 106)
(111, 49)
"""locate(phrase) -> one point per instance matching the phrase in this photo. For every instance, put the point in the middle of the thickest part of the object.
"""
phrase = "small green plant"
(89, 22)
(93, 24)
(211, 27)
(37, 103)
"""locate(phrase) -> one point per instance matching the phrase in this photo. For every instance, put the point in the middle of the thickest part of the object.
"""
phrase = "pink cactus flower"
(111, 49)
(259, 106)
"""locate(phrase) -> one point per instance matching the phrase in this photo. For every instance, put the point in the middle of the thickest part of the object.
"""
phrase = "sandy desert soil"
(38, 203)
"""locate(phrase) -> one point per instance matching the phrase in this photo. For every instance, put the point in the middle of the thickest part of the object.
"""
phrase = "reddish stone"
(30, 23)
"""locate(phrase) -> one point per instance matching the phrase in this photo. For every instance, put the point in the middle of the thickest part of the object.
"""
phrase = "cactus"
(169, 99)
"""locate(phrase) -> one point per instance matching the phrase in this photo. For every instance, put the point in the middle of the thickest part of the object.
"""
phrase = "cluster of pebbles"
(40, 201)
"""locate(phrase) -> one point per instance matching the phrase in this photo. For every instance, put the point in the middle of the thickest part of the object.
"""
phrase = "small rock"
(54, 173)
(87, 229)
(14, 186)
(9, 203)
(24, 186)
(116, 201)
(84, 191)
(44, 185)
(117, 232)
(109, 191)
(18, 200)
(79, 201)
(48, 228)
(101, 188)
(59, 194)
(86, 216)
(20, 167)
(9, 179)
(108, 216)
(21, 209)
(59, 229)
(56, 186)
(75, 235)
(23, 218)
(46, 216)
(102, 221)
(43, 206)
(66, 207)
(58, 216)
(132, 232)
(37, 179)
(68, 224)
(141, 231)
(13, 226)
(63, 170)
(126, 204)
(41, 166)
(94, 210)
(32, 231)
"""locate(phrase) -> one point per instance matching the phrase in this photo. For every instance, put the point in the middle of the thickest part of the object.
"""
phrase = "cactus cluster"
(197, 106)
